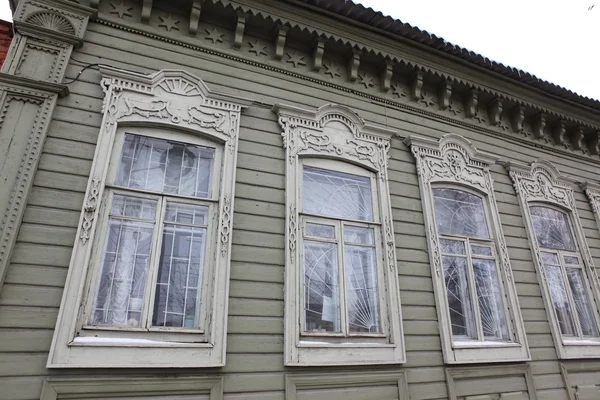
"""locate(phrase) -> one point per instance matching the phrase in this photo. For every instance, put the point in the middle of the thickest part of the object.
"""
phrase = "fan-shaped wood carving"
(51, 21)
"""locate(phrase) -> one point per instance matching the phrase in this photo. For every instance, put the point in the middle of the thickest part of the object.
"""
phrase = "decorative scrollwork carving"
(450, 162)
(225, 225)
(389, 241)
(540, 183)
(89, 210)
(292, 236)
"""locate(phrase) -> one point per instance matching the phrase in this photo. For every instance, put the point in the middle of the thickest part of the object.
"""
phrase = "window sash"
(472, 285)
(341, 244)
(153, 265)
(561, 254)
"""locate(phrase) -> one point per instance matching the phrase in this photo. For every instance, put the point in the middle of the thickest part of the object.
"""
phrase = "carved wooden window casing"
(149, 274)
(342, 299)
(562, 258)
(476, 299)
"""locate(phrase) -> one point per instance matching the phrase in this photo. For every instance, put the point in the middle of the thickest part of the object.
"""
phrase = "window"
(563, 262)
(473, 289)
(342, 303)
(340, 237)
(161, 197)
(563, 270)
(147, 284)
(478, 310)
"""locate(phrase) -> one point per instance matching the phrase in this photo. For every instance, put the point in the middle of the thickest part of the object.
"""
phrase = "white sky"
(556, 40)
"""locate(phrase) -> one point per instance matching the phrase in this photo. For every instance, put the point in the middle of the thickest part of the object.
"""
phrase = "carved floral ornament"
(452, 159)
(541, 181)
(335, 131)
(169, 97)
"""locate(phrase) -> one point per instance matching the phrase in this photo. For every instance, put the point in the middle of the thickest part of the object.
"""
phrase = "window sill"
(581, 342)
(475, 345)
(128, 342)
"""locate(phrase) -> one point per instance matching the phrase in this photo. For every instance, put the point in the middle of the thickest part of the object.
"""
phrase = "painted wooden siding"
(31, 296)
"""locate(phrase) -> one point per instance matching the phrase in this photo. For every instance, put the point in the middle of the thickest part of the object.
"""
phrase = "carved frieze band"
(494, 110)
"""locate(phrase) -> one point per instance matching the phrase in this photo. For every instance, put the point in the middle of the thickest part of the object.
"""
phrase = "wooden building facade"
(294, 199)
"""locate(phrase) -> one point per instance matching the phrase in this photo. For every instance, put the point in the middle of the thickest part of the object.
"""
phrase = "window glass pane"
(452, 246)
(361, 282)
(549, 258)
(552, 228)
(356, 234)
(186, 213)
(459, 297)
(320, 230)
(582, 302)
(321, 287)
(337, 194)
(135, 207)
(481, 250)
(459, 213)
(489, 297)
(179, 282)
(122, 283)
(571, 260)
(560, 300)
(165, 166)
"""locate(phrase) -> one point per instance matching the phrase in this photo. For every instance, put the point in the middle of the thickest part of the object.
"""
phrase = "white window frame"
(540, 183)
(453, 162)
(316, 137)
(172, 105)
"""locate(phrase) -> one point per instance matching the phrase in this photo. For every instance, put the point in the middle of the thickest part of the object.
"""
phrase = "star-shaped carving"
(296, 59)
(503, 125)
(331, 70)
(427, 100)
(121, 9)
(398, 91)
(453, 108)
(214, 35)
(366, 80)
(169, 23)
(257, 48)
(479, 117)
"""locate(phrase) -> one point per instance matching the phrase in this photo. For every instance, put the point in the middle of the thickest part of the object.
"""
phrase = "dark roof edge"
(361, 14)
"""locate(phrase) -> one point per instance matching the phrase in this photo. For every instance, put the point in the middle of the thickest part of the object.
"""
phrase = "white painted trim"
(346, 380)
(501, 371)
(335, 132)
(132, 386)
(172, 101)
(542, 183)
(455, 163)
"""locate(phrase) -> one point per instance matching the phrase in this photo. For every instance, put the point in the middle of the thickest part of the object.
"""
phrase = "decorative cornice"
(502, 129)
(8, 81)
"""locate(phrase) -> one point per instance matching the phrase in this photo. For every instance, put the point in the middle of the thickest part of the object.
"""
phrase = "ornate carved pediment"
(452, 159)
(168, 97)
(541, 181)
(334, 131)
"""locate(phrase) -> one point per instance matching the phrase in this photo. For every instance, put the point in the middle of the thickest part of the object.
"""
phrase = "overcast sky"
(556, 40)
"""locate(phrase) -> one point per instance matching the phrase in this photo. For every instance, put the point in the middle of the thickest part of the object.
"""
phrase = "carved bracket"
(353, 64)
(318, 51)
(239, 29)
